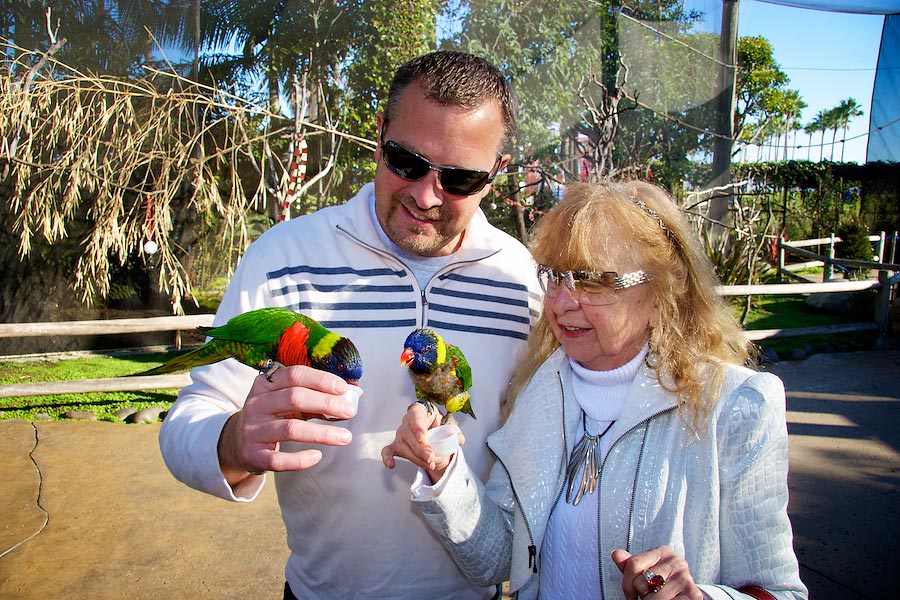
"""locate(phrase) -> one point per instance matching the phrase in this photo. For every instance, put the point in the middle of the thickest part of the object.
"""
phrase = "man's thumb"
(620, 557)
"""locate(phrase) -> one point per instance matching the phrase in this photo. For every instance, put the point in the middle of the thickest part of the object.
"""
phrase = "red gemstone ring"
(654, 581)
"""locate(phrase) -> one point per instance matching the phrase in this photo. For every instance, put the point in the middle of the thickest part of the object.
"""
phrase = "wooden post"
(780, 259)
(893, 257)
(893, 246)
(828, 271)
(881, 247)
(883, 307)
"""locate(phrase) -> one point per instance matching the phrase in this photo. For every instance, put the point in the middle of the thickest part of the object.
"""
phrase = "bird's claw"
(269, 367)
(429, 406)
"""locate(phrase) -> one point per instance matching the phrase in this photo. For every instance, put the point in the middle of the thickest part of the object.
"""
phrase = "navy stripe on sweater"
(346, 298)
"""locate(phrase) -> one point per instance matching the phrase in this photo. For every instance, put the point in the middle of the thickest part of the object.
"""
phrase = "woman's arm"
(756, 536)
(474, 521)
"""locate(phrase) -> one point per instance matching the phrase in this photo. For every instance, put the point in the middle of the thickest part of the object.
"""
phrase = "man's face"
(420, 216)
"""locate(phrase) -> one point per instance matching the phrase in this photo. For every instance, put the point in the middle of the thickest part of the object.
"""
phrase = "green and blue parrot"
(440, 372)
(268, 338)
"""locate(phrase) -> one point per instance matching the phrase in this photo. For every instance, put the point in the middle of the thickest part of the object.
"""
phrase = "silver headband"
(643, 206)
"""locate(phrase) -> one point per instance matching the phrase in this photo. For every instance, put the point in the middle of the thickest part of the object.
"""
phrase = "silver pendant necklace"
(586, 458)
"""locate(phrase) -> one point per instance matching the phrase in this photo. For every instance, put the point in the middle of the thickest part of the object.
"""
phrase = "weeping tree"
(103, 171)
(108, 165)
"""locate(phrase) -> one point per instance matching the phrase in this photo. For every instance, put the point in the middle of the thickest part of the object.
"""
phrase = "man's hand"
(279, 411)
(409, 442)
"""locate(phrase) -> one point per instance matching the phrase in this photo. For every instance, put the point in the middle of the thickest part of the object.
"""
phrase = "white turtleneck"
(569, 555)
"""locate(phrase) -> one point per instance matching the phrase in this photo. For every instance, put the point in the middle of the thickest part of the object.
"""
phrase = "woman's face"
(605, 337)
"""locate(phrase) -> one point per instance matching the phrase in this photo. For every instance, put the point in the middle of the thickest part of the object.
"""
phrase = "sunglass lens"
(403, 162)
(463, 181)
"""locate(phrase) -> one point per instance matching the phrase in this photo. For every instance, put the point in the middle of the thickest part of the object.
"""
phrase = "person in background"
(641, 457)
(413, 249)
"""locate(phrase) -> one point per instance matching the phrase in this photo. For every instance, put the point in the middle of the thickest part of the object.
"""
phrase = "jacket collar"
(479, 241)
(537, 426)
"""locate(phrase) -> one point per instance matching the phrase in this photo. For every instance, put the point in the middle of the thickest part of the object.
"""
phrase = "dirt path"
(120, 526)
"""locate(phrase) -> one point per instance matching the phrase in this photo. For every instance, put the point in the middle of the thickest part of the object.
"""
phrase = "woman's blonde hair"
(694, 332)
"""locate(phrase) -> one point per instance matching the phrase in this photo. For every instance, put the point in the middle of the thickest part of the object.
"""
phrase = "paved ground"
(844, 425)
(120, 527)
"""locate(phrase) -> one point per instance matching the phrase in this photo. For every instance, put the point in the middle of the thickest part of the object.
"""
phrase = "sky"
(828, 56)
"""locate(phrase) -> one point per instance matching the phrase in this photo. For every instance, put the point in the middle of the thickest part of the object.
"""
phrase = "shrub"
(854, 245)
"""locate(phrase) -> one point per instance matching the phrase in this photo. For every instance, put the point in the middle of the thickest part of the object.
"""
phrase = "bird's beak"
(407, 357)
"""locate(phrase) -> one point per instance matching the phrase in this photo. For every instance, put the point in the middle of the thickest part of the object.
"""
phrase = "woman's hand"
(410, 443)
(661, 561)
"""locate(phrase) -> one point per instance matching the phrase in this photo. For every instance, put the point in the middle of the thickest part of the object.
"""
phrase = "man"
(411, 250)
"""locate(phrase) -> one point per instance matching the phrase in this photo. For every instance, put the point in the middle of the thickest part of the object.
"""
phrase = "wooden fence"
(883, 285)
(827, 260)
(105, 327)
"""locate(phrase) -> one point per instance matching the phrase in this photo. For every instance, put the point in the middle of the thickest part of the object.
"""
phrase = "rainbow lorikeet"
(440, 372)
(268, 338)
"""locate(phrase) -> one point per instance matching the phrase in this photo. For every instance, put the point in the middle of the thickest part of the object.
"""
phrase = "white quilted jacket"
(718, 499)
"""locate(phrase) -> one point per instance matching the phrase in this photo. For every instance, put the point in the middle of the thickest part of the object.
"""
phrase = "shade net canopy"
(884, 119)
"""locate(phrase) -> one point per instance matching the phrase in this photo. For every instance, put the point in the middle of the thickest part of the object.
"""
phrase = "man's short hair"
(457, 79)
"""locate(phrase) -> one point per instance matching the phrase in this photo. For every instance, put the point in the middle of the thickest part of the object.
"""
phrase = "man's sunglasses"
(410, 166)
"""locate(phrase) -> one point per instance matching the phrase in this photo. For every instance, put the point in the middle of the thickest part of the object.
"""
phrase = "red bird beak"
(407, 357)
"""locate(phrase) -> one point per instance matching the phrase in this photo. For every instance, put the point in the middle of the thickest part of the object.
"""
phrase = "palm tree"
(820, 123)
(833, 122)
(793, 110)
(809, 129)
(847, 109)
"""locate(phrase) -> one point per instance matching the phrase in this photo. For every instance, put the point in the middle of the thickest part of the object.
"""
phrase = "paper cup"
(444, 440)
(352, 394)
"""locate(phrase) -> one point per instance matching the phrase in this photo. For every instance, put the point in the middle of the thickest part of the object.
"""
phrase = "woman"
(640, 456)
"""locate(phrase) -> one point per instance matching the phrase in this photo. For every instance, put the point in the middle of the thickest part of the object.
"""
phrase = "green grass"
(787, 312)
(776, 312)
(103, 404)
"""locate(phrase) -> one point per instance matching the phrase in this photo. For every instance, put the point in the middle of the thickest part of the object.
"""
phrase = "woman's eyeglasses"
(595, 288)
(410, 166)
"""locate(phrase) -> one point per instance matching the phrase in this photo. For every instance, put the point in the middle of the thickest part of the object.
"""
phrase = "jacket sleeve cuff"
(197, 464)
(422, 488)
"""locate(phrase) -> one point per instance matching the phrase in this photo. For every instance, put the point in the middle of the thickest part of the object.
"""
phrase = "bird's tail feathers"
(203, 355)
(467, 408)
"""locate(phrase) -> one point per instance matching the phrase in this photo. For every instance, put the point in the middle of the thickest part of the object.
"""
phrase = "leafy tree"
(760, 90)
(333, 58)
(571, 63)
